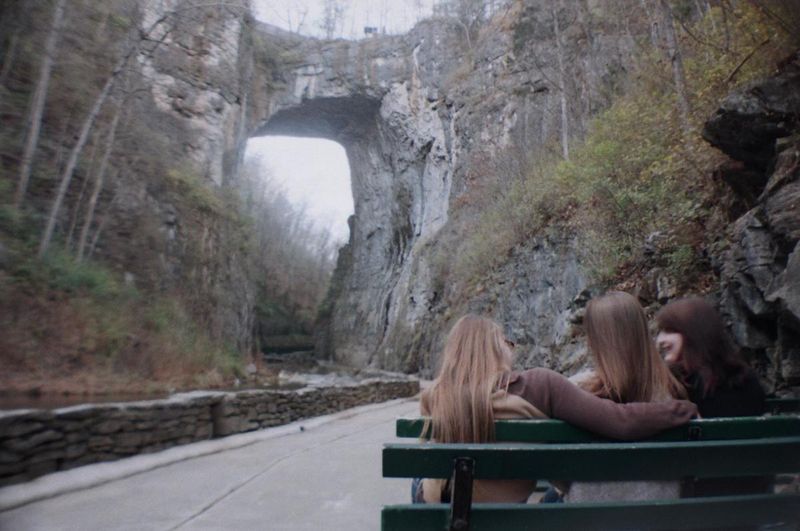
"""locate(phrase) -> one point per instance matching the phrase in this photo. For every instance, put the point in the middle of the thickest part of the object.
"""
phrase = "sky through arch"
(315, 173)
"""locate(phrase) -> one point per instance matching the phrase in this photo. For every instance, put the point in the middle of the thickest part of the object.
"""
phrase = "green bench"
(542, 449)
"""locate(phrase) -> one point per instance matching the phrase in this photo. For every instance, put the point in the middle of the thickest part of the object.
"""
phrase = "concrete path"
(327, 476)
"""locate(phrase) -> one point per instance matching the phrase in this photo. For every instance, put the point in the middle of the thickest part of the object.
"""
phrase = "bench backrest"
(558, 431)
(598, 461)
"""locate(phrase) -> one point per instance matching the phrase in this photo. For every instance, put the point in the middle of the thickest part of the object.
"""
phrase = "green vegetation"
(63, 319)
(79, 327)
(636, 172)
(191, 188)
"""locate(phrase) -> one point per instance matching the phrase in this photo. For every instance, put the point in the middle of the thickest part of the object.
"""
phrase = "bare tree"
(674, 53)
(332, 17)
(34, 121)
(562, 81)
(294, 15)
(466, 14)
(98, 183)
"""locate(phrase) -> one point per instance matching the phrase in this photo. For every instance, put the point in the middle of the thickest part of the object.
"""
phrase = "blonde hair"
(475, 363)
(627, 364)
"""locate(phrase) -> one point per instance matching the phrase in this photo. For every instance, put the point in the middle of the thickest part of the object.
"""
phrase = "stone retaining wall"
(37, 442)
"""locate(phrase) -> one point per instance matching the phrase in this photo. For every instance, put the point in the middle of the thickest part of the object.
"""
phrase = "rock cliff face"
(759, 126)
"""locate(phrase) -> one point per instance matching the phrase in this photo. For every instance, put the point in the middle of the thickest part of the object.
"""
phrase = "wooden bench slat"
(546, 431)
(598, 461)
(693, 513)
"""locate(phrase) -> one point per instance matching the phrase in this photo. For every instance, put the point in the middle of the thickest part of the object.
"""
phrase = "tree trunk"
(678, 77)
(562, 82)
(72, 162)
(98, 183)
(34, 121)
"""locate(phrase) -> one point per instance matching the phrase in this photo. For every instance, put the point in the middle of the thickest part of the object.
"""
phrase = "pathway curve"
(324, 477)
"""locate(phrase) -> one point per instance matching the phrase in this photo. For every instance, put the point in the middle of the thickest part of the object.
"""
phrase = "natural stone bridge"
(423, 118)
(379, 99)
(410, 111)
(369, 96)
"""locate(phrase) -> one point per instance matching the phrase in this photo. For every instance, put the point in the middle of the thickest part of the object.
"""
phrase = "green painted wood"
(783, 405)
(558, 431)
(598, 461)
(693, 513)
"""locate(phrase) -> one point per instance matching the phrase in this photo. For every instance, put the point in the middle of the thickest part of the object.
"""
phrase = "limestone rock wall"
(759, 126)
(37, 442)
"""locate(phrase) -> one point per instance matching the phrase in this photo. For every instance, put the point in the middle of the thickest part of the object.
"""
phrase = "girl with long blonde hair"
(476, 385)
(627, 368)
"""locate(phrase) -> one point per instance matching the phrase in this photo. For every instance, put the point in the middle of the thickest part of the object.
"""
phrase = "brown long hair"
(628, 366)
(475, 363)
(707, 348)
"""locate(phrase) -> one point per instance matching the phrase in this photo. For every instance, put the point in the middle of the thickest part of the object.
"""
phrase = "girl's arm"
(558, 398)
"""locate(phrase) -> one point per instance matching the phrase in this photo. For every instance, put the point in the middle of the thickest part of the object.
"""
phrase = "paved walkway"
(327, 476)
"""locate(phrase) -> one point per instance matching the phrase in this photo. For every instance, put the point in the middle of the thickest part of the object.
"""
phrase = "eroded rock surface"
(760, 283)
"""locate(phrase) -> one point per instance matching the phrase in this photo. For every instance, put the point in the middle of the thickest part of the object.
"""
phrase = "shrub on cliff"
(637, 170)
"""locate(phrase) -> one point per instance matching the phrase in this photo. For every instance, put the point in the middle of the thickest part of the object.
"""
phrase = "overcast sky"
(315, 172)
(304, 16)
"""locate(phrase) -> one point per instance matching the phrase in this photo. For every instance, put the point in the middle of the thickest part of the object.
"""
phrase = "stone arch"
(364, 95)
